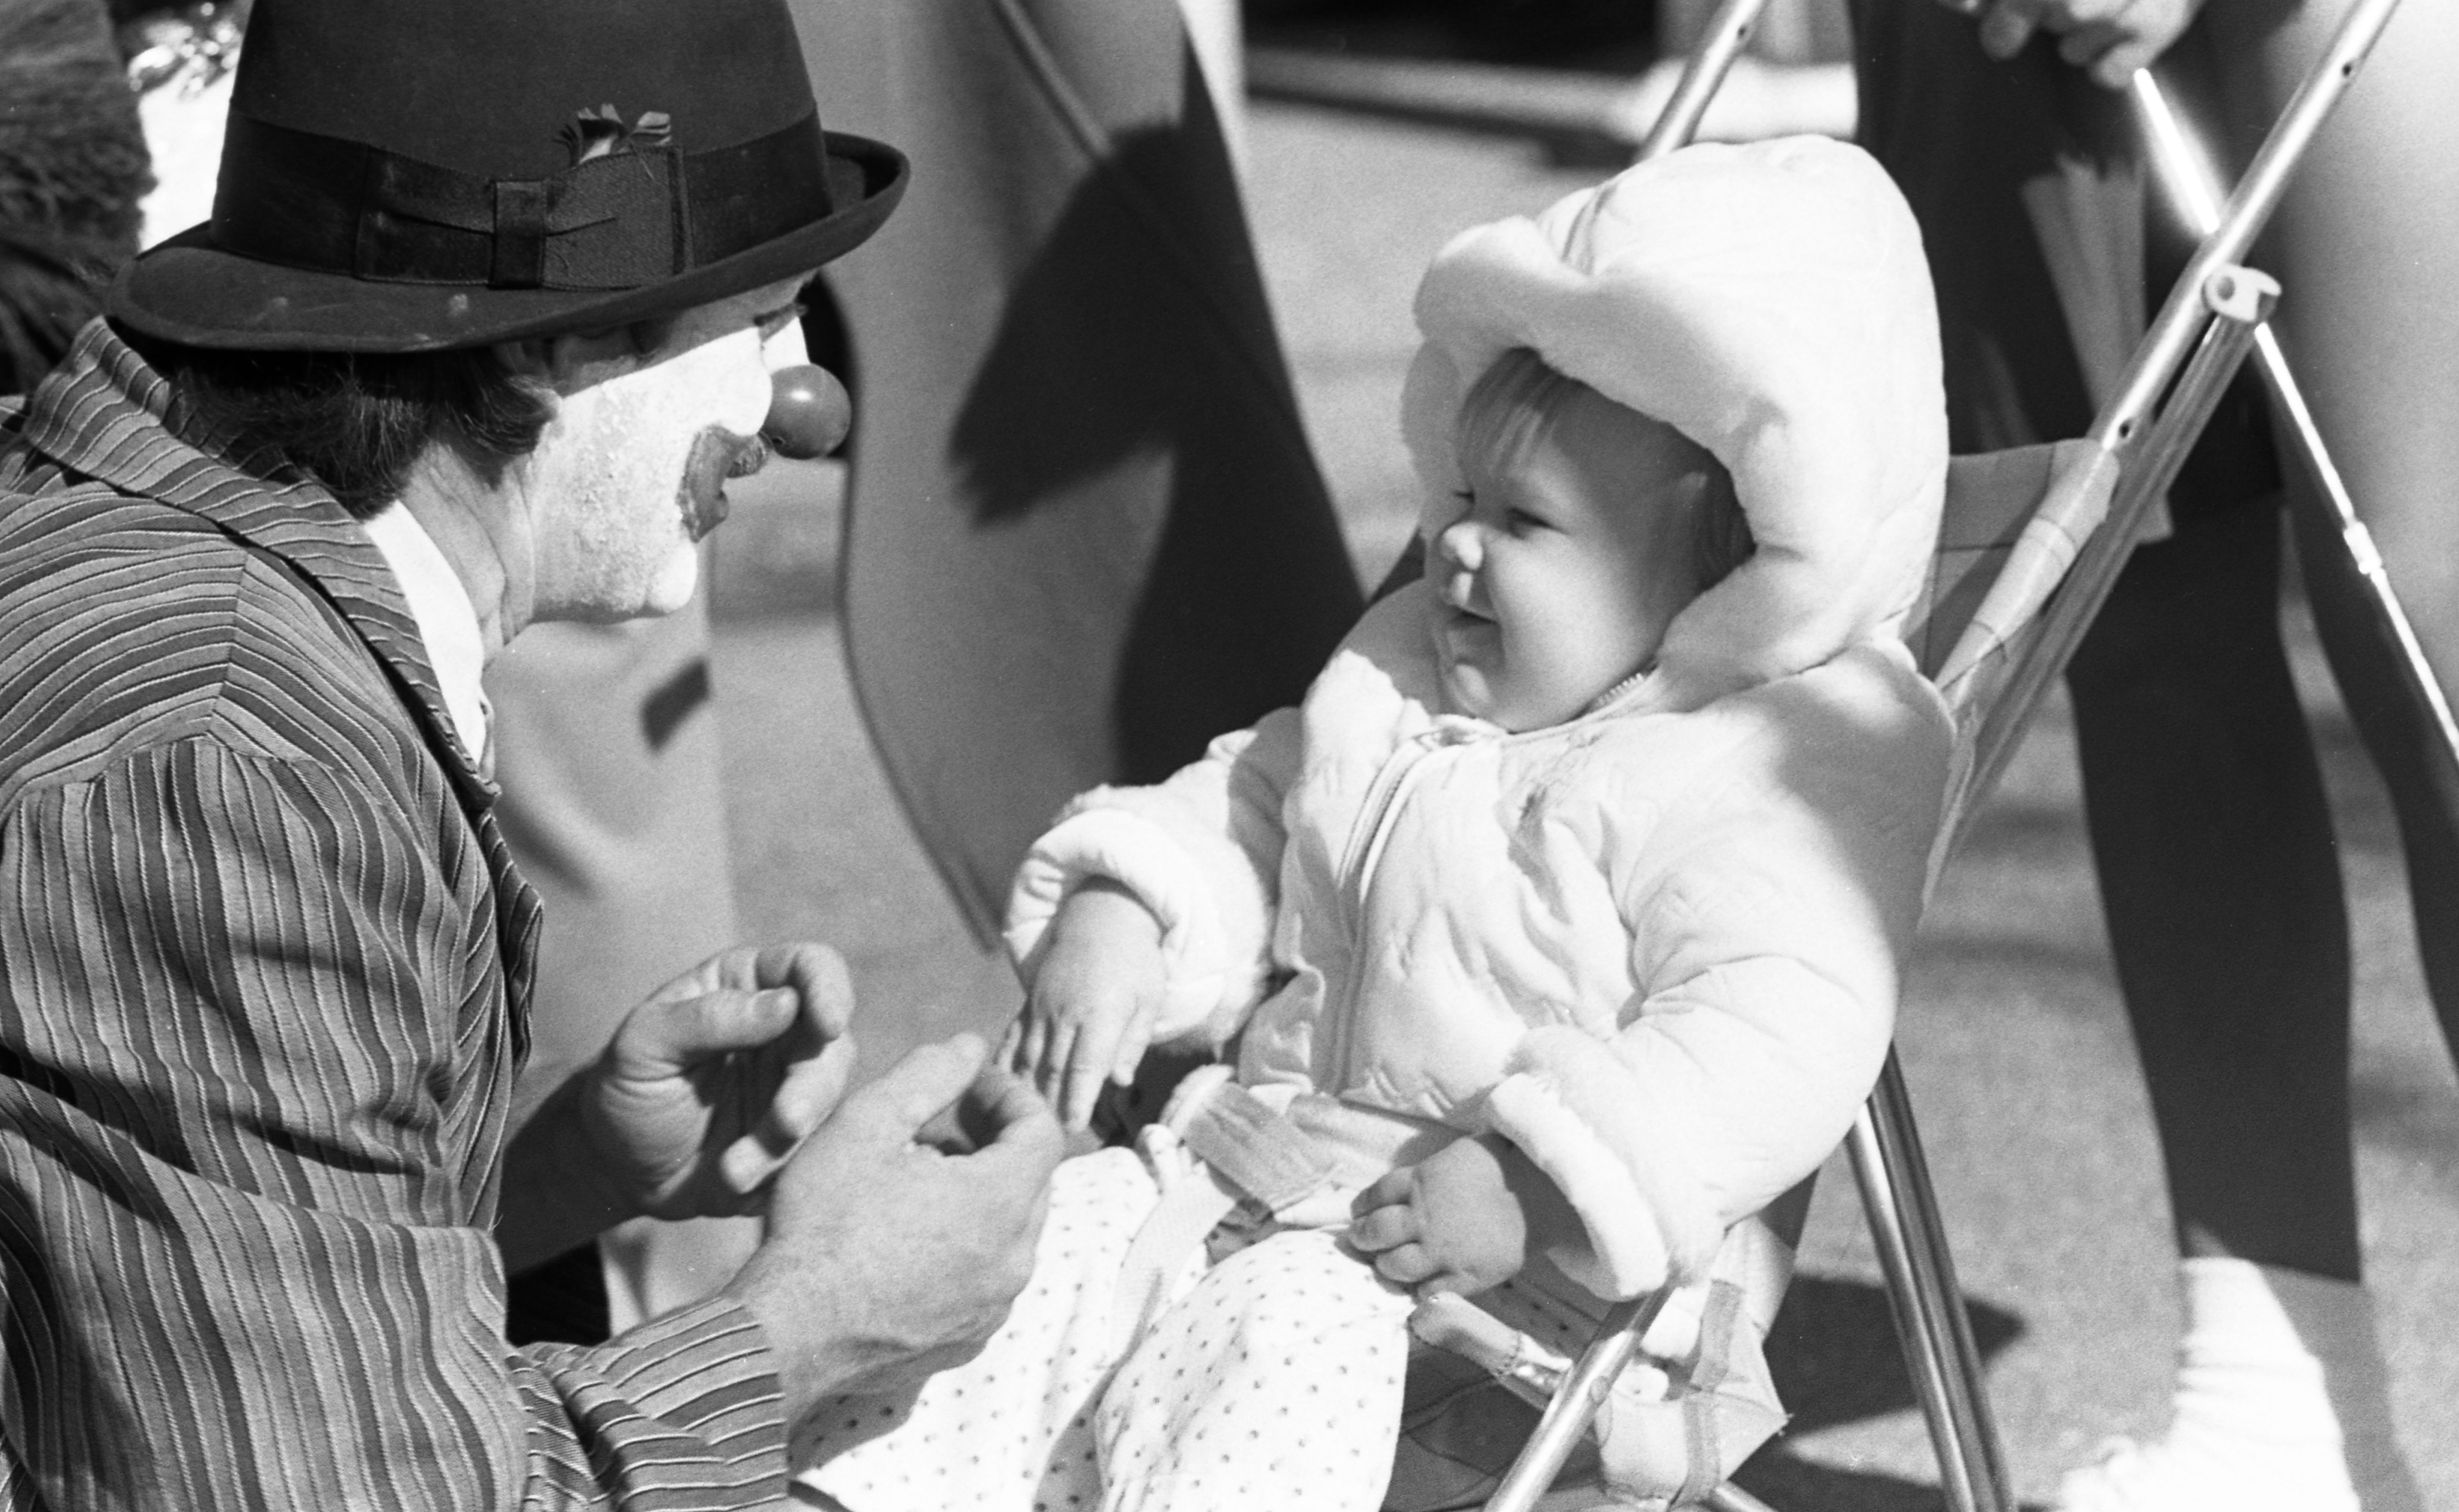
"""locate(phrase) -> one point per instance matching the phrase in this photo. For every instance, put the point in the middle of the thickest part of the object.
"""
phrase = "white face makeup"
(615, 494)
(1565, 562)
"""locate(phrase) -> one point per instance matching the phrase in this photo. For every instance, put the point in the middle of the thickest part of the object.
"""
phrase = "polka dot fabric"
(1275, 1383)
(1272, 1379)
(1011, 1427)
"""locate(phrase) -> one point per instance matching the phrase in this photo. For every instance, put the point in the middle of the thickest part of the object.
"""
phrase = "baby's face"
(1565, 562)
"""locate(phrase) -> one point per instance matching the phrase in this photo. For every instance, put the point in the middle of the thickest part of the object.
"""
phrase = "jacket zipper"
(1358, 863)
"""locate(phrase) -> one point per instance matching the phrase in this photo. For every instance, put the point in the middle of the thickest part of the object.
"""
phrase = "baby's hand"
(1090, 1012)
(1458, 1220)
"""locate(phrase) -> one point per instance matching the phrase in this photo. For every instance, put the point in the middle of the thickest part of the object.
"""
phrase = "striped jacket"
(266, 969)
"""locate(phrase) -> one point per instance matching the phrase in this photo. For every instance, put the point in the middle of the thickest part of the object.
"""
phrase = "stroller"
(2032, 543)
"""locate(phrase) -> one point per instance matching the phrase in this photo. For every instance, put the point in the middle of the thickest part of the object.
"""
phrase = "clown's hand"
(1089, 1014)
(709, 1086)
(2110, 39)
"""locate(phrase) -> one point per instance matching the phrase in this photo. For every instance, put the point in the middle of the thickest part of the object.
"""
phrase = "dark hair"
(356, 421)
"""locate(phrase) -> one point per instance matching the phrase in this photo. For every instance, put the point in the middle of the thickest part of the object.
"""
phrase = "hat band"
(622, 221)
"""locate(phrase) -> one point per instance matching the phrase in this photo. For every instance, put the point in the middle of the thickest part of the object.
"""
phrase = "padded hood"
(1773, 303)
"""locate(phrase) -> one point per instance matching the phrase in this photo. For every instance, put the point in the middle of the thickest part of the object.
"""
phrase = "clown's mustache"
(716, 454)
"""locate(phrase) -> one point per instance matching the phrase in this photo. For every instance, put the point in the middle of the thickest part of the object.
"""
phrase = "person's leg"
(2228, 927)
(2367, 317)
(1275, 1383)
(2362, 322)
(2222, 893)
(2407, 749)
(2366, 322)
(2207, 817)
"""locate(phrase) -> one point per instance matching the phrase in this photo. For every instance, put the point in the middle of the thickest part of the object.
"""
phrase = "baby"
(1553, 936)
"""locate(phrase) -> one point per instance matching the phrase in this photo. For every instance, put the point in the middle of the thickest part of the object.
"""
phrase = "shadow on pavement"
(1835, 1360)
(1790, 1483)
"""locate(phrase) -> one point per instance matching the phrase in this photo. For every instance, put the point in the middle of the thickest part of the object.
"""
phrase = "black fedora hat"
(415, 174)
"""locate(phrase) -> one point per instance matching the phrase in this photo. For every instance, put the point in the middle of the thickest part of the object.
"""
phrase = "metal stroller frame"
(2041, 589)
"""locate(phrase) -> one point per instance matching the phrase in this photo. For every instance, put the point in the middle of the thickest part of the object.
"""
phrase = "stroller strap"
(1216, 1145)
(1257, 1149)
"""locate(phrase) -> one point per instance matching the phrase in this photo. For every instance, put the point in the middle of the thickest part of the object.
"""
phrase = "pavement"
(2031, 1104)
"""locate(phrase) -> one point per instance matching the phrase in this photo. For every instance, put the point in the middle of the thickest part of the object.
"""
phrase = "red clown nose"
(808, 412)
